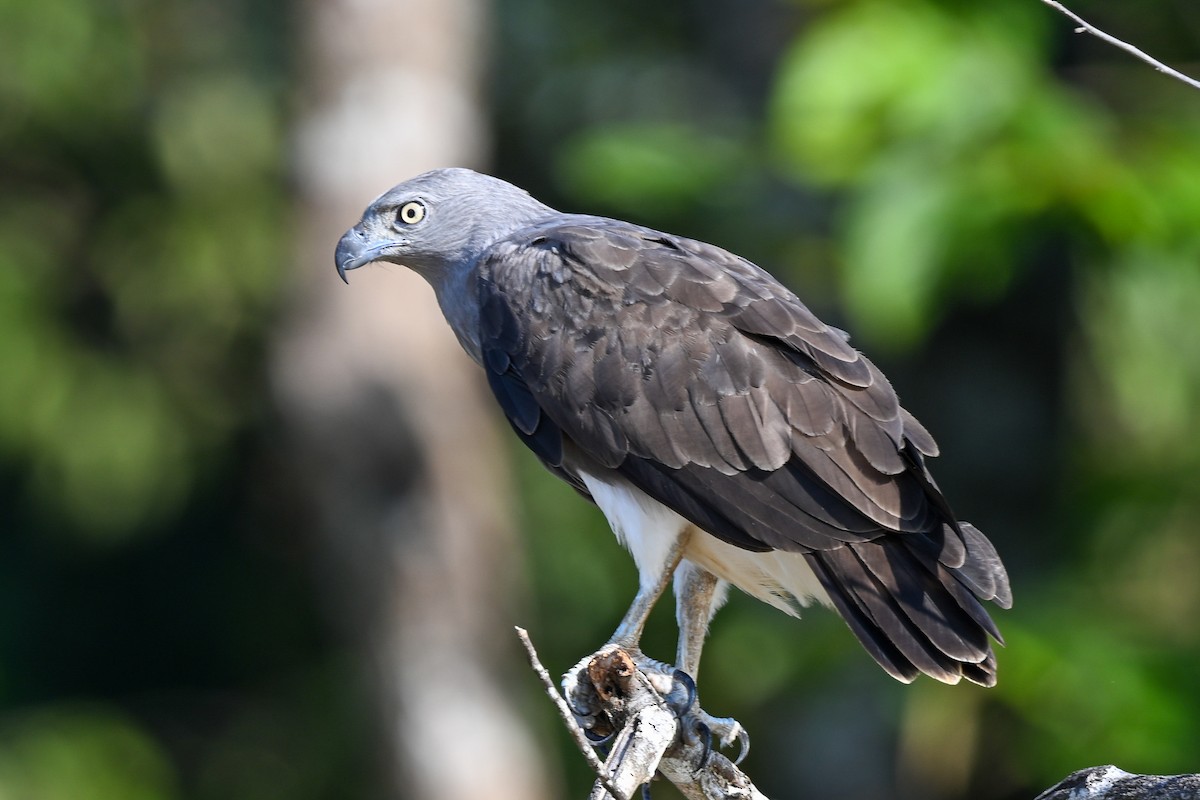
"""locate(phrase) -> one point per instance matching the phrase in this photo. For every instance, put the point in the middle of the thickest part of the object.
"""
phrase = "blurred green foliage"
(154, 643)
(650, 167)
(82, 752)
(140, 242)
(1004, 215)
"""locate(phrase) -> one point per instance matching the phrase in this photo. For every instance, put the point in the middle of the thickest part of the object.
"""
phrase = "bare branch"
(1086, 27)
(568, 718)
(638, 747)
(648, 740)
(1110, 783)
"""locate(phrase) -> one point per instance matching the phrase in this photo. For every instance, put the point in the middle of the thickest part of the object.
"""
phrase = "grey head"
(437, 222)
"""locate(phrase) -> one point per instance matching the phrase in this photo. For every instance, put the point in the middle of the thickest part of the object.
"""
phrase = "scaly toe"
(581, 697)
(678, 690)
(725, 730)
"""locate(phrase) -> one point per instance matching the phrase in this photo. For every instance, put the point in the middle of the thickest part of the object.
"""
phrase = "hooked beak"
(354, 250)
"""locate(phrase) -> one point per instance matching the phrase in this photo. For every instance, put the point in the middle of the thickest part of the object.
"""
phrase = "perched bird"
(728, 435)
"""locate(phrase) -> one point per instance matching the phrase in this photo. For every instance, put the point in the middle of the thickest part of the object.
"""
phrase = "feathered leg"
(629, 632)
(698, 595)
(575, 684)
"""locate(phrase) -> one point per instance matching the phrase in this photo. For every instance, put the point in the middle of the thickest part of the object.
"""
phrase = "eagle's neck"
(457, 290)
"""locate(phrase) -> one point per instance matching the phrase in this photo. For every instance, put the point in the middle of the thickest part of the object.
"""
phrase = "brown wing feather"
(714, 389)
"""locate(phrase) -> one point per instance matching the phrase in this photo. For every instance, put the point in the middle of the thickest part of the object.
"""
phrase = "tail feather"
(924, 600)
(983, 572)
(884, 611)
(912, 612)
(868, 633)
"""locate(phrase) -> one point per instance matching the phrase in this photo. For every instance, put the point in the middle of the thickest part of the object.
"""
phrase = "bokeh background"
(262, 536)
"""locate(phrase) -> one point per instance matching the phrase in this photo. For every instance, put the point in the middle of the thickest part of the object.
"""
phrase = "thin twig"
(564, 711)
(1086, 27)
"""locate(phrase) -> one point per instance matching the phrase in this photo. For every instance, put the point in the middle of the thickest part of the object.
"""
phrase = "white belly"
(648, 529)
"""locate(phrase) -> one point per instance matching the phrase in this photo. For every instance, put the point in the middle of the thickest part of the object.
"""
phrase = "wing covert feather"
(711, 387)
(723, 368)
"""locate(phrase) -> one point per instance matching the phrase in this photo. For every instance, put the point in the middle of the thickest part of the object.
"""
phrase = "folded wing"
(712, 388)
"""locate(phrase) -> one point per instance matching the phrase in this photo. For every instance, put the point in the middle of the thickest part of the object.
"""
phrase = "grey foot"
(587, 695)
(725, 730)
(696, 724)
(584, 701)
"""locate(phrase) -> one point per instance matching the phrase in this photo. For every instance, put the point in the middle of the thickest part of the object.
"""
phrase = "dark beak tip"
(347, 253)
(356, 250)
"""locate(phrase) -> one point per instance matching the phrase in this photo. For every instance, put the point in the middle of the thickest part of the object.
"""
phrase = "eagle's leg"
(698, 595)
(629, 632)
(575, 683)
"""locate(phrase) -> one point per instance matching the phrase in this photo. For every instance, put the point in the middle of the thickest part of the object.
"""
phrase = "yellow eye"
(411, 213)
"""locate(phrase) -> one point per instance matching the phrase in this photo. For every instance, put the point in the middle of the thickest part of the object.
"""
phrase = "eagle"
(728, 435)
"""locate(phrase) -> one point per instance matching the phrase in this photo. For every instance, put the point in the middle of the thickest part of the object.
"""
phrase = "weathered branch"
(1110, 783)
(1086, 27)
(568, 718)
(647, 740)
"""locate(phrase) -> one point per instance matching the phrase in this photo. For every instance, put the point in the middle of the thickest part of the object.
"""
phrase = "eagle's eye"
(411, 212)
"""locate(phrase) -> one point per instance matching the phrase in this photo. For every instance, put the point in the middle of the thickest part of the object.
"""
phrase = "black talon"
(744, 746)
(706, 732)
(598, 739)
(646, 790)
(689, 685)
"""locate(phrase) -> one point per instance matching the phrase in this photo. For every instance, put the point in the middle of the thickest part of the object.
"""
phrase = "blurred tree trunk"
(389, 430)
